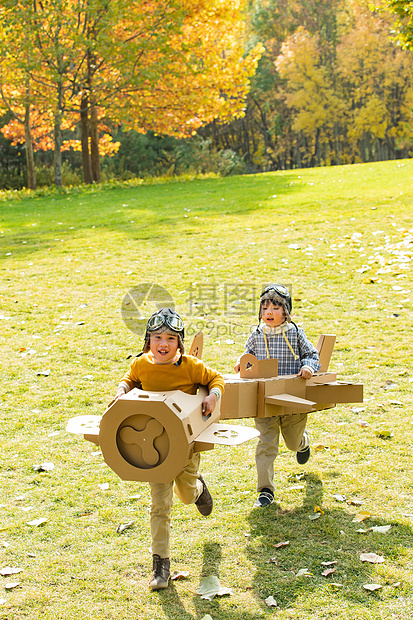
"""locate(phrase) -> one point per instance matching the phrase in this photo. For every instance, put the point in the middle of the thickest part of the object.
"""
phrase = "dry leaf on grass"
(210, 587)
(124, 526)
(12, 585)
(328, 571)
(43, 467)
(373, 558)
(355, 502)
(37, 522)
(179, 574)
(271, 602)
(10, 570)
(272, 561)
(304, 572)
(279, 545)
(339, 498)
(361, 516)
(372, 586)
(331, 563)
(380, 529)
(207, 617)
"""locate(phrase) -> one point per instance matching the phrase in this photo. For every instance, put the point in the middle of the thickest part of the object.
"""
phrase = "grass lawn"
(342, 237)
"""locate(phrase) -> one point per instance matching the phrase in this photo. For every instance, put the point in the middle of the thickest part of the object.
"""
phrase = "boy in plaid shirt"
(278, 337)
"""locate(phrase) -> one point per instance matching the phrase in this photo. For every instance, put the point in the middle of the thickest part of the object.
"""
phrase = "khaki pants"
(292, 428)
(187, 488)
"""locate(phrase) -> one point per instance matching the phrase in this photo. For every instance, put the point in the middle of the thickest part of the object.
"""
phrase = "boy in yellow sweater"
(162, 366)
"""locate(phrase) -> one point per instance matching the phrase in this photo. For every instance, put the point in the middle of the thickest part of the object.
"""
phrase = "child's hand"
(119, 393)
(208, 404)
(237, 367)
(305, 373)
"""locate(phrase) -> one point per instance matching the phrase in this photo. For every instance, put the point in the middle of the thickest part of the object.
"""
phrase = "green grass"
(342, 237)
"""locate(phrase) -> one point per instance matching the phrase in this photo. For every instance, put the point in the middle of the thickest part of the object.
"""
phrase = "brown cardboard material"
(285, 395)
(251, 368)
(325, 347)
(197, 345)
(239, 399)
(150, 436)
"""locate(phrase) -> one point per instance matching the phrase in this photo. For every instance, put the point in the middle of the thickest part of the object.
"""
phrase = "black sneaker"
(304, 455)
(204, 503)
(264, 499)
(160, 573)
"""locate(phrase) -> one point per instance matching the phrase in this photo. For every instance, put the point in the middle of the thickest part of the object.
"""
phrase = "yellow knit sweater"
(184, 375)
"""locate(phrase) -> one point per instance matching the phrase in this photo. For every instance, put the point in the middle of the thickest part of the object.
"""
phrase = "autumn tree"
(150, 64)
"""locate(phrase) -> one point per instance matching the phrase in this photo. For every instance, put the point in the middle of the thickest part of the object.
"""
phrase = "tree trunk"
(31, 173)
(58, 137)
(94, 144)
(84, 125)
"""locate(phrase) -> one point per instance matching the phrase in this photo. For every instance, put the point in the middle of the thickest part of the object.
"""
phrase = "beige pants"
(187, 488)
(292, 428)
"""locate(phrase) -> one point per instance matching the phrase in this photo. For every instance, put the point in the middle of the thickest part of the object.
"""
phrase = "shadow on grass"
(174, 608)
(332, 537)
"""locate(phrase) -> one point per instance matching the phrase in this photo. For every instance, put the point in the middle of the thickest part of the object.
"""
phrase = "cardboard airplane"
(258, 391)
(150, 436)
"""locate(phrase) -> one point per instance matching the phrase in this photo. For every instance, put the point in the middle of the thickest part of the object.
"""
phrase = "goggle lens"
(174, 322)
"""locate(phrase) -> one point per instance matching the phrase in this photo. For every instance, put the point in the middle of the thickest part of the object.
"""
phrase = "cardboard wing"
(150, 436)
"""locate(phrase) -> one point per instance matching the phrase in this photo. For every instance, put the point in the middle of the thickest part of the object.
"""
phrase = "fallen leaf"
(335, 584)
(380, 529)
(362, 531)
(320, 447)
(339, 498)
(43, 373)
(10, 570)
(179, 574)
(282, 544)
(37, 522)
(384, 434)
(361, 516)
(355, 502)
(10, 586)
(210, 587)
(364, 423)
(124, 526)
(318, 509)
(271, 602)
(44, 467)
(104, 486)
(357, 409)
(372, 586)
(2, 601)
(304, 572)
(331, 563)
(207, 617)
(328, 571)
(272, 561)
(373, 558)
(314, 517)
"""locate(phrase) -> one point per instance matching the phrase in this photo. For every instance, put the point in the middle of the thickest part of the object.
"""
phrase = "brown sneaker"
(204, 502)
(160, 573)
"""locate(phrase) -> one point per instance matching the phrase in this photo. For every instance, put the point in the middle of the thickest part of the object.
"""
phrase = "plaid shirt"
(278, 348)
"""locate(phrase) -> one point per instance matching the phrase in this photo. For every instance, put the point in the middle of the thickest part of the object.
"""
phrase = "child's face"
(163, 347)
(272, 314)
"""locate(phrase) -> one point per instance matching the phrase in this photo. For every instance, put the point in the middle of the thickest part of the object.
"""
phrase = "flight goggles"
(173, 321)
(280, 289)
